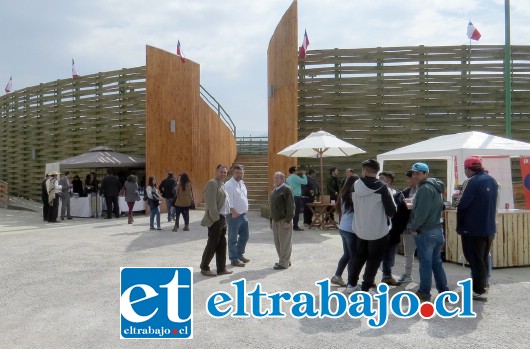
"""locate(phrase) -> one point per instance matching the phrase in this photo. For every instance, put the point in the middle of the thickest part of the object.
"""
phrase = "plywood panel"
(201, 139)
(282, 80)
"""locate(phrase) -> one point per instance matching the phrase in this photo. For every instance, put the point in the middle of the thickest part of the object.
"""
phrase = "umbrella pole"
(321, 176)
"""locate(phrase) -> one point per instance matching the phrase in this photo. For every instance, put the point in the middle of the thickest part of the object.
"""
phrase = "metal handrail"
(252, 145)
(218, 108)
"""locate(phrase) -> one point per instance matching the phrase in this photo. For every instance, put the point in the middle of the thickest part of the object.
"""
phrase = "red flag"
(9, 85)
(75, 74)
(180, 53)
(472, 32)
(305, 43)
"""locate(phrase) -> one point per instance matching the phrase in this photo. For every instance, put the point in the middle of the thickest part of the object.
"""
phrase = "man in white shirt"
(54, 189)
(237, 219)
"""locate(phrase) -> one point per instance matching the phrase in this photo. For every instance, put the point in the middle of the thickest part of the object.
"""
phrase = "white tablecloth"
(80, 207)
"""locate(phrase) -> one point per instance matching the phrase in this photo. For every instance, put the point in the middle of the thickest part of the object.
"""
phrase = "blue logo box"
(156, 303)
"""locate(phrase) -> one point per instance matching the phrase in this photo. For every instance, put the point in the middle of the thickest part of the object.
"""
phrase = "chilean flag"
(180, 53)
(9, 85)
(472, 32)
(305, 43)
(75, 74)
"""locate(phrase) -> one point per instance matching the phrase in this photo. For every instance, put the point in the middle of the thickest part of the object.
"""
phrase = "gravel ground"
(59, 288)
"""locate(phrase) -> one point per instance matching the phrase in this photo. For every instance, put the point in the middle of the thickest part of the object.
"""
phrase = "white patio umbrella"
(321, 144)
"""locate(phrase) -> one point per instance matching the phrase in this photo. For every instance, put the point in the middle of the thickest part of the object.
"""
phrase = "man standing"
(54, 190)
(399, 223)
(237, 219)
(475, 221)
(217, 207)
(309, 192)
(65, 195)
(373, 208)
(409, 244)
(333, 183)
(295, 180)
(282, 209)
(169, 191)
(426, 222)
(45, 202)
(110, 188)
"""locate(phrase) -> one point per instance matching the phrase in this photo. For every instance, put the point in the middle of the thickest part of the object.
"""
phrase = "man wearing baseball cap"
(475, 221)
(427, 222)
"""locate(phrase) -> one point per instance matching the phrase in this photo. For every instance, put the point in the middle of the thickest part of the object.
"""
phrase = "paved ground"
(59, 288)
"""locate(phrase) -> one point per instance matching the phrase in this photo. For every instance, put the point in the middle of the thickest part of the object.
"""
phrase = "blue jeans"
(388, 259)
(170, 209)
(155, 211)
(237, 236)
(429, 246)
(348, 241)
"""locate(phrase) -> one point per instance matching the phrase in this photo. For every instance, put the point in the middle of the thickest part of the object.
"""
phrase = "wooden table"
(322, 215)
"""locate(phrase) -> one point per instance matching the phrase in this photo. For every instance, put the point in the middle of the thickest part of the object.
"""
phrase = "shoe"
(208, 273)
(108, 217)
(422, 297)
(480, 295)
(244, 260)
(169, 220)
(175, 228)
(151, 228)
(237, 263)
(186, 227)
(487, 286)
(278, 267)
(159, 228)
(337, 280)
(389, 280)
(298, 229)
(62, 218)
(224, 272)
(350, 289)
(404, 278)
(69, 218)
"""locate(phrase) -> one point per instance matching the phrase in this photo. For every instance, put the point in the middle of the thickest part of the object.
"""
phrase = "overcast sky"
(228, 38)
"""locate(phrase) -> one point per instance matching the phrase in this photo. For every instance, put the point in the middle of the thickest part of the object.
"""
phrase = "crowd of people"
(373, 218)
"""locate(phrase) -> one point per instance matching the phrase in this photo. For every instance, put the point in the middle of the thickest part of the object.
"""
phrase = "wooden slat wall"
(65, 118)
(384, 98)
(201, 140)
(282, 64)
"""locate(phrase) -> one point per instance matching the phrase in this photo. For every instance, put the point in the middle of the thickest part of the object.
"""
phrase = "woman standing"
(344, 207)
(183, 201)
(131, 194)
(154, 203)
(77, 185)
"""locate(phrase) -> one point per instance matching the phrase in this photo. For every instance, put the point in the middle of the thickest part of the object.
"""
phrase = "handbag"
(137, 197)
(192, 206)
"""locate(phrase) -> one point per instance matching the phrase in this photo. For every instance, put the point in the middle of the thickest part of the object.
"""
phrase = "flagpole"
(507, 70)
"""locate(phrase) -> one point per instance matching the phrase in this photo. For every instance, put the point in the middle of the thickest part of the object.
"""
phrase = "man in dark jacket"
(110, 188)
(475, 221)
(169, 191)
(45, 204)
(399, 223)
(427, 223)
(282, 210)
(309, 192)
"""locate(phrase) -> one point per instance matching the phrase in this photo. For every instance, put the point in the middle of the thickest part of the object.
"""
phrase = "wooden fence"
(64, 118)
(384, 98)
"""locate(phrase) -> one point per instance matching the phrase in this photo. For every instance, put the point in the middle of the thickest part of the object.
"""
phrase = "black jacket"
(110, 186)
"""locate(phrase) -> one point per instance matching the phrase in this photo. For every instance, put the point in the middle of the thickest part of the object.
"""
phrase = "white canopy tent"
(495, 153)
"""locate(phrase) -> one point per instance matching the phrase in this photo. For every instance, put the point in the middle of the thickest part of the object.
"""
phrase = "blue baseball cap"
(420, 166)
